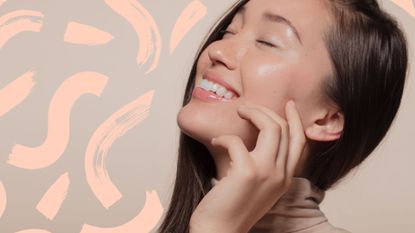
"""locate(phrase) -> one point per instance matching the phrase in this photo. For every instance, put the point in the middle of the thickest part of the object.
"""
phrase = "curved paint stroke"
(15, 92)
(58, 121)
(407, 5)
(192, 14)
(109, 131)
(52, 200)
(145, 27)
(3, 199)
(144, 222)
(77, 33)
(33, 231)
(17, 21)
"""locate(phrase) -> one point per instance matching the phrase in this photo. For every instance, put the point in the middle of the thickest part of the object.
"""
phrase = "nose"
(224, 52)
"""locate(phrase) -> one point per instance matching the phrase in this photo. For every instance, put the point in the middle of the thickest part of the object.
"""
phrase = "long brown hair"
(369, 56)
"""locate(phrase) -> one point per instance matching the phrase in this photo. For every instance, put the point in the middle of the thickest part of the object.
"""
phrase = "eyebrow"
(268, 16)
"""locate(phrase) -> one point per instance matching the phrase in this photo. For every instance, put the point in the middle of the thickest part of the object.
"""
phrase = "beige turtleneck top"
(296, 211)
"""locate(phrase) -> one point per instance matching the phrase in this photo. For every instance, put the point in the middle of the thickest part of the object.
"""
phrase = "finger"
(235, 147)
(280, 157)
(269, 131)
(297, 137)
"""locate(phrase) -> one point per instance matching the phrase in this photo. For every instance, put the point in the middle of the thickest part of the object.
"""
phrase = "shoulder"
(338, 230)
(324, 227)
(329, 228)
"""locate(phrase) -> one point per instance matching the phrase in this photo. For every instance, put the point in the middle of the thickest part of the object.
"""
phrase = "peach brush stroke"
(77, 33)
(15, 92)
(58, 121)
(192, 14)
(16, 21)
(110, 130)
(33, 231)
(2, 1)
(407, 5)
(145, 27)
(144, 222)
(3, 199)
(52, 200)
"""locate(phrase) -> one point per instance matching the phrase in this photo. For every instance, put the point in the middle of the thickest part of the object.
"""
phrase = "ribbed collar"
(298, 209)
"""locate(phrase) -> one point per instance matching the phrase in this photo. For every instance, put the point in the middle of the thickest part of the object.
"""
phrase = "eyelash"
(223, 32)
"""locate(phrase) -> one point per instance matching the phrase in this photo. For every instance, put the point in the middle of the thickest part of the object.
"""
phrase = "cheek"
(270, 84)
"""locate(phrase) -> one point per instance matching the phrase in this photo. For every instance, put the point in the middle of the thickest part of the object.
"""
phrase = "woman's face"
(274, 52)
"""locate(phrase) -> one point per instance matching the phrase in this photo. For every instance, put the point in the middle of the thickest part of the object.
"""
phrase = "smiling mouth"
(216, 89)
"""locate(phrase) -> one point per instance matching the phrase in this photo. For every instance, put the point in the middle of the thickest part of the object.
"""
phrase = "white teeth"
(216, 88)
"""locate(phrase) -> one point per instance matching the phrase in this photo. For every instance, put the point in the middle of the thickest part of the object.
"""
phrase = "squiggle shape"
(52, 200)
(407, 5)
(34, 231)
(58, 121)
(3, 199)
(77, 33)
(192, 14)
(15, 22)
(145, 27)
(111, 129)
(15, 92)
(144, 222)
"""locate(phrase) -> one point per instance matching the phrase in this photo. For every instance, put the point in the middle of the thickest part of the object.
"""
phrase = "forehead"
(310, 17)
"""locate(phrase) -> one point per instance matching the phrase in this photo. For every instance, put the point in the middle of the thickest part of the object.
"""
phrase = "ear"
(327, 126)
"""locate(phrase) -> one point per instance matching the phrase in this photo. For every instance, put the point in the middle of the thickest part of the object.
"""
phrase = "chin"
(195, 123)
(202, 123)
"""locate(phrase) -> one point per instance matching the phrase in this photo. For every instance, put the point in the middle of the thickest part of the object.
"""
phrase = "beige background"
(377, 197)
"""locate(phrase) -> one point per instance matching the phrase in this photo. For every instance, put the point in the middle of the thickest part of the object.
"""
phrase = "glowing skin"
(266, 76)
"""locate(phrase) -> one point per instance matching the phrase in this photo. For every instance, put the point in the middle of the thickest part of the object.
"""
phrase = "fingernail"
(212, 141)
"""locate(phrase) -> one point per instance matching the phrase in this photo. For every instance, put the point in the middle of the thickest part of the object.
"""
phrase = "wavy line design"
(52, 200)
(144, 222)
(58, 122)
(3, 199)
(407, 5)
(19, 21)
(110, 130)
(145, 27)
(192, 14)
(15, 92)
(77, 33)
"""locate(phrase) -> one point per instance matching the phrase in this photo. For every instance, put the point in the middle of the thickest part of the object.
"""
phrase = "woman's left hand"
(256, 179)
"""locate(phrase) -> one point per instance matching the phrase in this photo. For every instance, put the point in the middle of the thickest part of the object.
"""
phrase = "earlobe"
(328, 128)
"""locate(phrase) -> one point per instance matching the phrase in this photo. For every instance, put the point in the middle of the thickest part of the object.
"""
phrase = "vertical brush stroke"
(192, 14)
(144, 222)
(145, 27)
(51, 201)
(58, 121)
(15, 92)
(77, 33)
(3, 199)
(110, 130)
(407, 5)
(16, 22)
(33, 231)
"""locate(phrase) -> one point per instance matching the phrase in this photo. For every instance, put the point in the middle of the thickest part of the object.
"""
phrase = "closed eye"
(267, 43)
(224, 32)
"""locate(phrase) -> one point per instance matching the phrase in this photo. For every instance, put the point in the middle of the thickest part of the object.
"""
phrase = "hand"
(256, 179)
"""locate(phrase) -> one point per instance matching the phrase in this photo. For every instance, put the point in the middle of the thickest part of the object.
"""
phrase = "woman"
(294, 94)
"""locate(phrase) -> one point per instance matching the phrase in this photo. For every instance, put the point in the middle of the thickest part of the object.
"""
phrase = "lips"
(208, 75)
